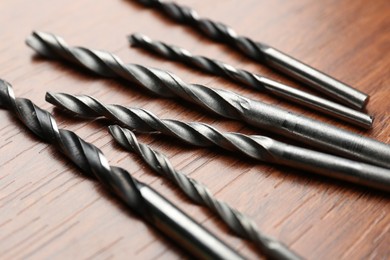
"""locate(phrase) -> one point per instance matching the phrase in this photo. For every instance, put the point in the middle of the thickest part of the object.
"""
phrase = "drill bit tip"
(252, 80)
(224, 103)
(138, 196)
(257, 147)
(239, 223)
(262, 53)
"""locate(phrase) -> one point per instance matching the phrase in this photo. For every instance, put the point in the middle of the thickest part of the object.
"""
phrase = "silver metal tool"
(262, 53)
(224, 103)
(261, 148)
(138, 196)
(239, 223)
(253, 80)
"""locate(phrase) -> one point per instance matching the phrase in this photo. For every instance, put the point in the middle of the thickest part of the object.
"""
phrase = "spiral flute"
(146, 202)
(256, 147)
(262, 53)
(221, 102)
(252, 80)
(200, 194)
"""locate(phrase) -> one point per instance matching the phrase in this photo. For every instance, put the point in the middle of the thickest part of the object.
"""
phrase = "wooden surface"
(48, 210)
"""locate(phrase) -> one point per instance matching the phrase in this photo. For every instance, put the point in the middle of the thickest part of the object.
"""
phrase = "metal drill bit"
(261, 148)
(221, 102)
(239, 223)
(252, 80)
(145, 201)
(262, 53)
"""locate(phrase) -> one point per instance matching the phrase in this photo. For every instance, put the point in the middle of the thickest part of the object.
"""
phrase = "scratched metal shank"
(252, 80)
(256, 147)
(239, 223)
(142, 199)
(224, 103)
(261, 52)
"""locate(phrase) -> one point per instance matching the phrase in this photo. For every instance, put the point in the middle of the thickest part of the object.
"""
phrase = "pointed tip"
(4, 83)
(54, 99)
(5, 92)
(50, 97)
(37, 32)
(40, 42)
(49, 94)
(113, 128)
(117, 132)
(32, 36)
(133, 38)
(123, 136)
(29, 40)
(33, 40)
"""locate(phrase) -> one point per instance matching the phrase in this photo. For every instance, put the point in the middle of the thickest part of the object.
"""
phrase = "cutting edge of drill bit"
(86, 156)
(263, 53)
(221, 102)
(149, 204)
(252, 80)
(239, 223)
(257, 147)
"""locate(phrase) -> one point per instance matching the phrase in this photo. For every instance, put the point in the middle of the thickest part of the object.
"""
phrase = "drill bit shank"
(262, 53)
(146, 202)
(252, 80)
(240, 224)
(221, 102)
(257, 147)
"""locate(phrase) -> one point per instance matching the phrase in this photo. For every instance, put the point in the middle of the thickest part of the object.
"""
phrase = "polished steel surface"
(183, 229)
(257, 147)
(261, 52)
(239, 223)
(224, 103)
(141, 199)
(253, 80)
(316, 79)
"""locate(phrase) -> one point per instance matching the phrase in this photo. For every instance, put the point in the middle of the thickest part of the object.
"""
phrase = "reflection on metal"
(143, 200)
(262, 53)
(253, 80)
(221, 102)
(257, 147)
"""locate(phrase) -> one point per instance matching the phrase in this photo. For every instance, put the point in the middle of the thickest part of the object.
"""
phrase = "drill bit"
(262, 53)
(252, 80)
(257, 147)
(142, 199)
(221, 102)
(239, 223)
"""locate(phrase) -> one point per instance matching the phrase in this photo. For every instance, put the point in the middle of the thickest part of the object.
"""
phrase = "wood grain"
(48, 210)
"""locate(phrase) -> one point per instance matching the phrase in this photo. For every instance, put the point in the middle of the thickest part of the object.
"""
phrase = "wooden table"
(49, 210)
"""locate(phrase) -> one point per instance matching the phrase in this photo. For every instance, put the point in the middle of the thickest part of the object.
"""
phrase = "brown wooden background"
(48, 210)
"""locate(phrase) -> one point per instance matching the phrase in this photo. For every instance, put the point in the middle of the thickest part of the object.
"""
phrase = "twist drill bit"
(145, 201)
(239, 223)
(221, 102)
(262, 53)
(256, 147)
(252, 80)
